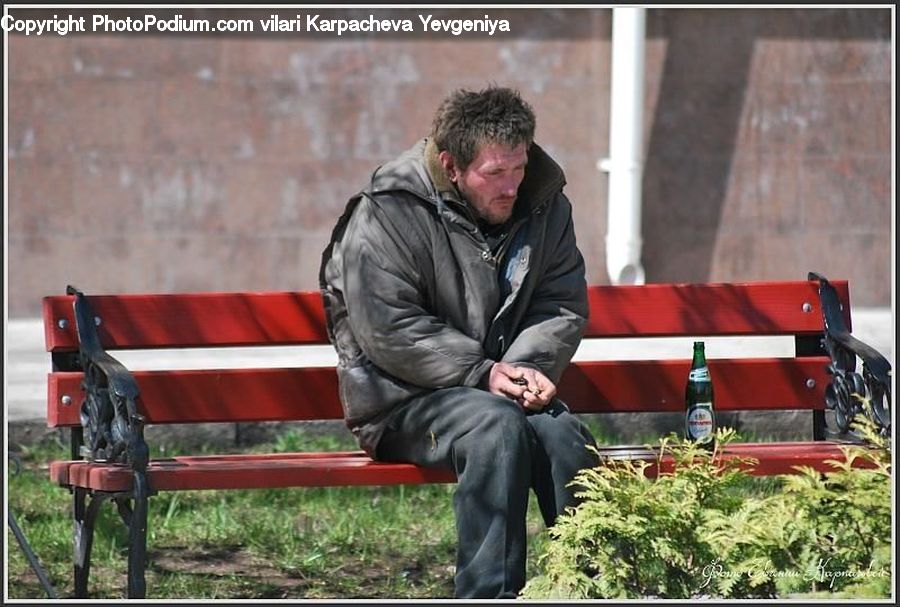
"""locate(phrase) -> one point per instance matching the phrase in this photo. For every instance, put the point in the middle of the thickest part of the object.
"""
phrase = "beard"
(495, 215)
(492, 212)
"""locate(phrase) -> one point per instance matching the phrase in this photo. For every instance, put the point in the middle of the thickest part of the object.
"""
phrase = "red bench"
(106, 406)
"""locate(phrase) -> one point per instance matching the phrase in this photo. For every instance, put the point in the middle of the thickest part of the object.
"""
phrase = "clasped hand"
(528, 387)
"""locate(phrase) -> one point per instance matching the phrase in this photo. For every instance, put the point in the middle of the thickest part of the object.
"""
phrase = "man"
(455, 297)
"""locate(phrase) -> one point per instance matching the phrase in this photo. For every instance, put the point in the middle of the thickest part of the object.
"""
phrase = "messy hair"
(466, 120)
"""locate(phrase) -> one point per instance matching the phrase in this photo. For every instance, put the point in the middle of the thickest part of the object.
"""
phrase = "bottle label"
(701, 374)
(700, 421)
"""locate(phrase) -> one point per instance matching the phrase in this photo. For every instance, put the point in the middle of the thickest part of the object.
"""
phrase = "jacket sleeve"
(557, 313)
(384, 294)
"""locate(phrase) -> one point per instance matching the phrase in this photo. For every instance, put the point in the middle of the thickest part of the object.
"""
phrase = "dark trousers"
(498, 452)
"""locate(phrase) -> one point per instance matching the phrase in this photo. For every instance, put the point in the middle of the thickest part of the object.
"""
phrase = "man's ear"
(449, 165)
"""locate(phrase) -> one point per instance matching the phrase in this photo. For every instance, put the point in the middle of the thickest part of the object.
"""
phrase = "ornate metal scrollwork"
(113, 427)
(113, 431)
(850, 390)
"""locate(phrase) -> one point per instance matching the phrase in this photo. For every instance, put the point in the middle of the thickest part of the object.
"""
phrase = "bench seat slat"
(240, 472)
(250, 395)
(209, 320)
(356, 468)
(772, 457)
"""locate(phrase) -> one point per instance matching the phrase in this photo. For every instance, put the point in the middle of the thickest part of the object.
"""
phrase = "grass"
(335, 542)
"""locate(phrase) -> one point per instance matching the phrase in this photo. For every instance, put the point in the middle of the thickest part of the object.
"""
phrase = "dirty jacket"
(415, 300)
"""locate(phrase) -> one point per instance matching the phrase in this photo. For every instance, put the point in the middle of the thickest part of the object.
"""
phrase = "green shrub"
(701, 530)
(824, 532)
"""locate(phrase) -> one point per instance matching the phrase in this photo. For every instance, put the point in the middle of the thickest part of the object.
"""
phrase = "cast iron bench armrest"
(849, 390)
(114, 431)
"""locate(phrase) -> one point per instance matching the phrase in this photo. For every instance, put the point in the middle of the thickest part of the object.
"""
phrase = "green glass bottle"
(700, 416)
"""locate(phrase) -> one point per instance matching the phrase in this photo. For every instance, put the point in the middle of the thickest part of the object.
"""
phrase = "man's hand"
(528, 387)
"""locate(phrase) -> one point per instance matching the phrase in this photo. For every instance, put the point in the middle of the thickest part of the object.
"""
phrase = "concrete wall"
(185, 162)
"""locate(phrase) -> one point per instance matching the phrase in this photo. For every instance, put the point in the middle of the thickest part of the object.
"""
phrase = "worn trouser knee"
(497, 434)
(561, 450)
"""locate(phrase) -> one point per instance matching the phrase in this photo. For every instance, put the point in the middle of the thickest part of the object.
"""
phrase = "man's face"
(491, 181)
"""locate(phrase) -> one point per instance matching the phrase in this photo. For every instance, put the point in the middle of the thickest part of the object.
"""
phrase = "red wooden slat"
(658, 385)
(192, 320)
(238, 472)
(243, 395)
(770, 458)
(656, 310)
(355, 468)
(250, 319)
(59, 384)
(232, 395)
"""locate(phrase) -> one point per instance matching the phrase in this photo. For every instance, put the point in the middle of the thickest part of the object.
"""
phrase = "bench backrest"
(212, 320)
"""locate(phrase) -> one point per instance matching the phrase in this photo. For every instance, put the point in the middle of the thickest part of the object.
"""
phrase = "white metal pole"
(623, 235)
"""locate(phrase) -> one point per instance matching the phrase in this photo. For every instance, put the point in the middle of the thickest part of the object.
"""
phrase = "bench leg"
(819, 427)
(85, 517)
(137, 540)
(136, 520)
